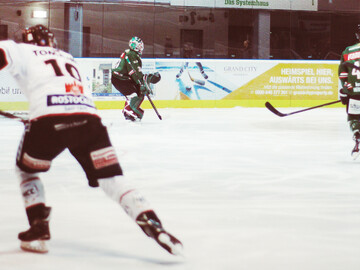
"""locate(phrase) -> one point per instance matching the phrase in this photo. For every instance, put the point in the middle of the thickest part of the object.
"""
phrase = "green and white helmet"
(136, 44)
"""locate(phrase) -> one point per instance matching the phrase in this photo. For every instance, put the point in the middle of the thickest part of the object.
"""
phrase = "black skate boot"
(33, 239)
(152, 227)
(356, 152)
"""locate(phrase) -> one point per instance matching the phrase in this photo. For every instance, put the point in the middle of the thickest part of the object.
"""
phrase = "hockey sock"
(33, 194)
(130, 199)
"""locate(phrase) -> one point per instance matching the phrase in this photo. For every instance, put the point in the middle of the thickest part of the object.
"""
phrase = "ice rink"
(242, 188)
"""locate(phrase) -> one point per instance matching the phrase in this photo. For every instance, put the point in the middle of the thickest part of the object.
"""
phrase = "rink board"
(206, 83)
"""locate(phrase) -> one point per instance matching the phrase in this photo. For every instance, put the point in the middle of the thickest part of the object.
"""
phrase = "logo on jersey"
(352, 56)
(104, 157)
(55, 100)
(74, 88)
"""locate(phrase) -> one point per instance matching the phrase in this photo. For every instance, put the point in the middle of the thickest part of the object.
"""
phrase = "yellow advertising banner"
(292, 81)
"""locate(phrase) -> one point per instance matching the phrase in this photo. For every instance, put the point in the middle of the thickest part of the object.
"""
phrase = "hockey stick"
(153, 105)
(150, 100)
(147, 86)
(13, 116)
(275, 111)
(200, 82)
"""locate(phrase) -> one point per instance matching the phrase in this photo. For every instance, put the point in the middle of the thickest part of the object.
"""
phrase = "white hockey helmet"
(136, 44)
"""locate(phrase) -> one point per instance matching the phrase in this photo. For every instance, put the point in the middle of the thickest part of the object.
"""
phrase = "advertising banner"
(292, 81)
(189, 79)
(209, 79)
(9, 90)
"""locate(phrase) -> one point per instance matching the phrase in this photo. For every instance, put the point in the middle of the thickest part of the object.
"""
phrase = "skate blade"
(37, 246)
(175, 248)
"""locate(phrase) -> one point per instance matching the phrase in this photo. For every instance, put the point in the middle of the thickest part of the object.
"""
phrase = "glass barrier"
(233, 29)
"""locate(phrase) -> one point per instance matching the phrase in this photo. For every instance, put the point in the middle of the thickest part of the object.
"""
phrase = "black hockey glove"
(344, 97)
(154, 78)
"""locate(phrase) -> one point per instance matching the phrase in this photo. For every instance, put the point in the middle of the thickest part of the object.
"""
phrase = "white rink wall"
(208, 83)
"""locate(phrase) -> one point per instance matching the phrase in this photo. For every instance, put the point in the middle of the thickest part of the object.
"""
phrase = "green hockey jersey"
(348, 73)
(129, 67)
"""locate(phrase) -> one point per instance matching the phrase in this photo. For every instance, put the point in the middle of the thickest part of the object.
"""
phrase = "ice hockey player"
(349, 74)
(62, 115)
(128, 78)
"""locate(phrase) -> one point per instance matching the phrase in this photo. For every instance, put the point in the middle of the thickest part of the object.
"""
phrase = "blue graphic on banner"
(194, 79)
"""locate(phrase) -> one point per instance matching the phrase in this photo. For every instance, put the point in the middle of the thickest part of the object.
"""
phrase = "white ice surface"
(242, 188)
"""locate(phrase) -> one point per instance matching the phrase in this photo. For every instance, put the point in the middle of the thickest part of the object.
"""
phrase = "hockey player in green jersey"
(128, 79)
(349, 74)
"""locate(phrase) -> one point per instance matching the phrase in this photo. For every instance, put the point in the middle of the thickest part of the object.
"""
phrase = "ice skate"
(34, 239)
(36, 246)
(152, 227)
(129, 114)
(356, 152)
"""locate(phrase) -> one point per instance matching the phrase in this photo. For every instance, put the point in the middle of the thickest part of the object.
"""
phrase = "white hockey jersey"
(49, 78)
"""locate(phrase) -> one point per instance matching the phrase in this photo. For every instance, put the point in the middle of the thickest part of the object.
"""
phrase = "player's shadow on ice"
(77, 249)
(11, 252)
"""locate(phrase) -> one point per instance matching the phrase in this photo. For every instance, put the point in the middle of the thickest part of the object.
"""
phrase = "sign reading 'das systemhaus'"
(310, 5)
